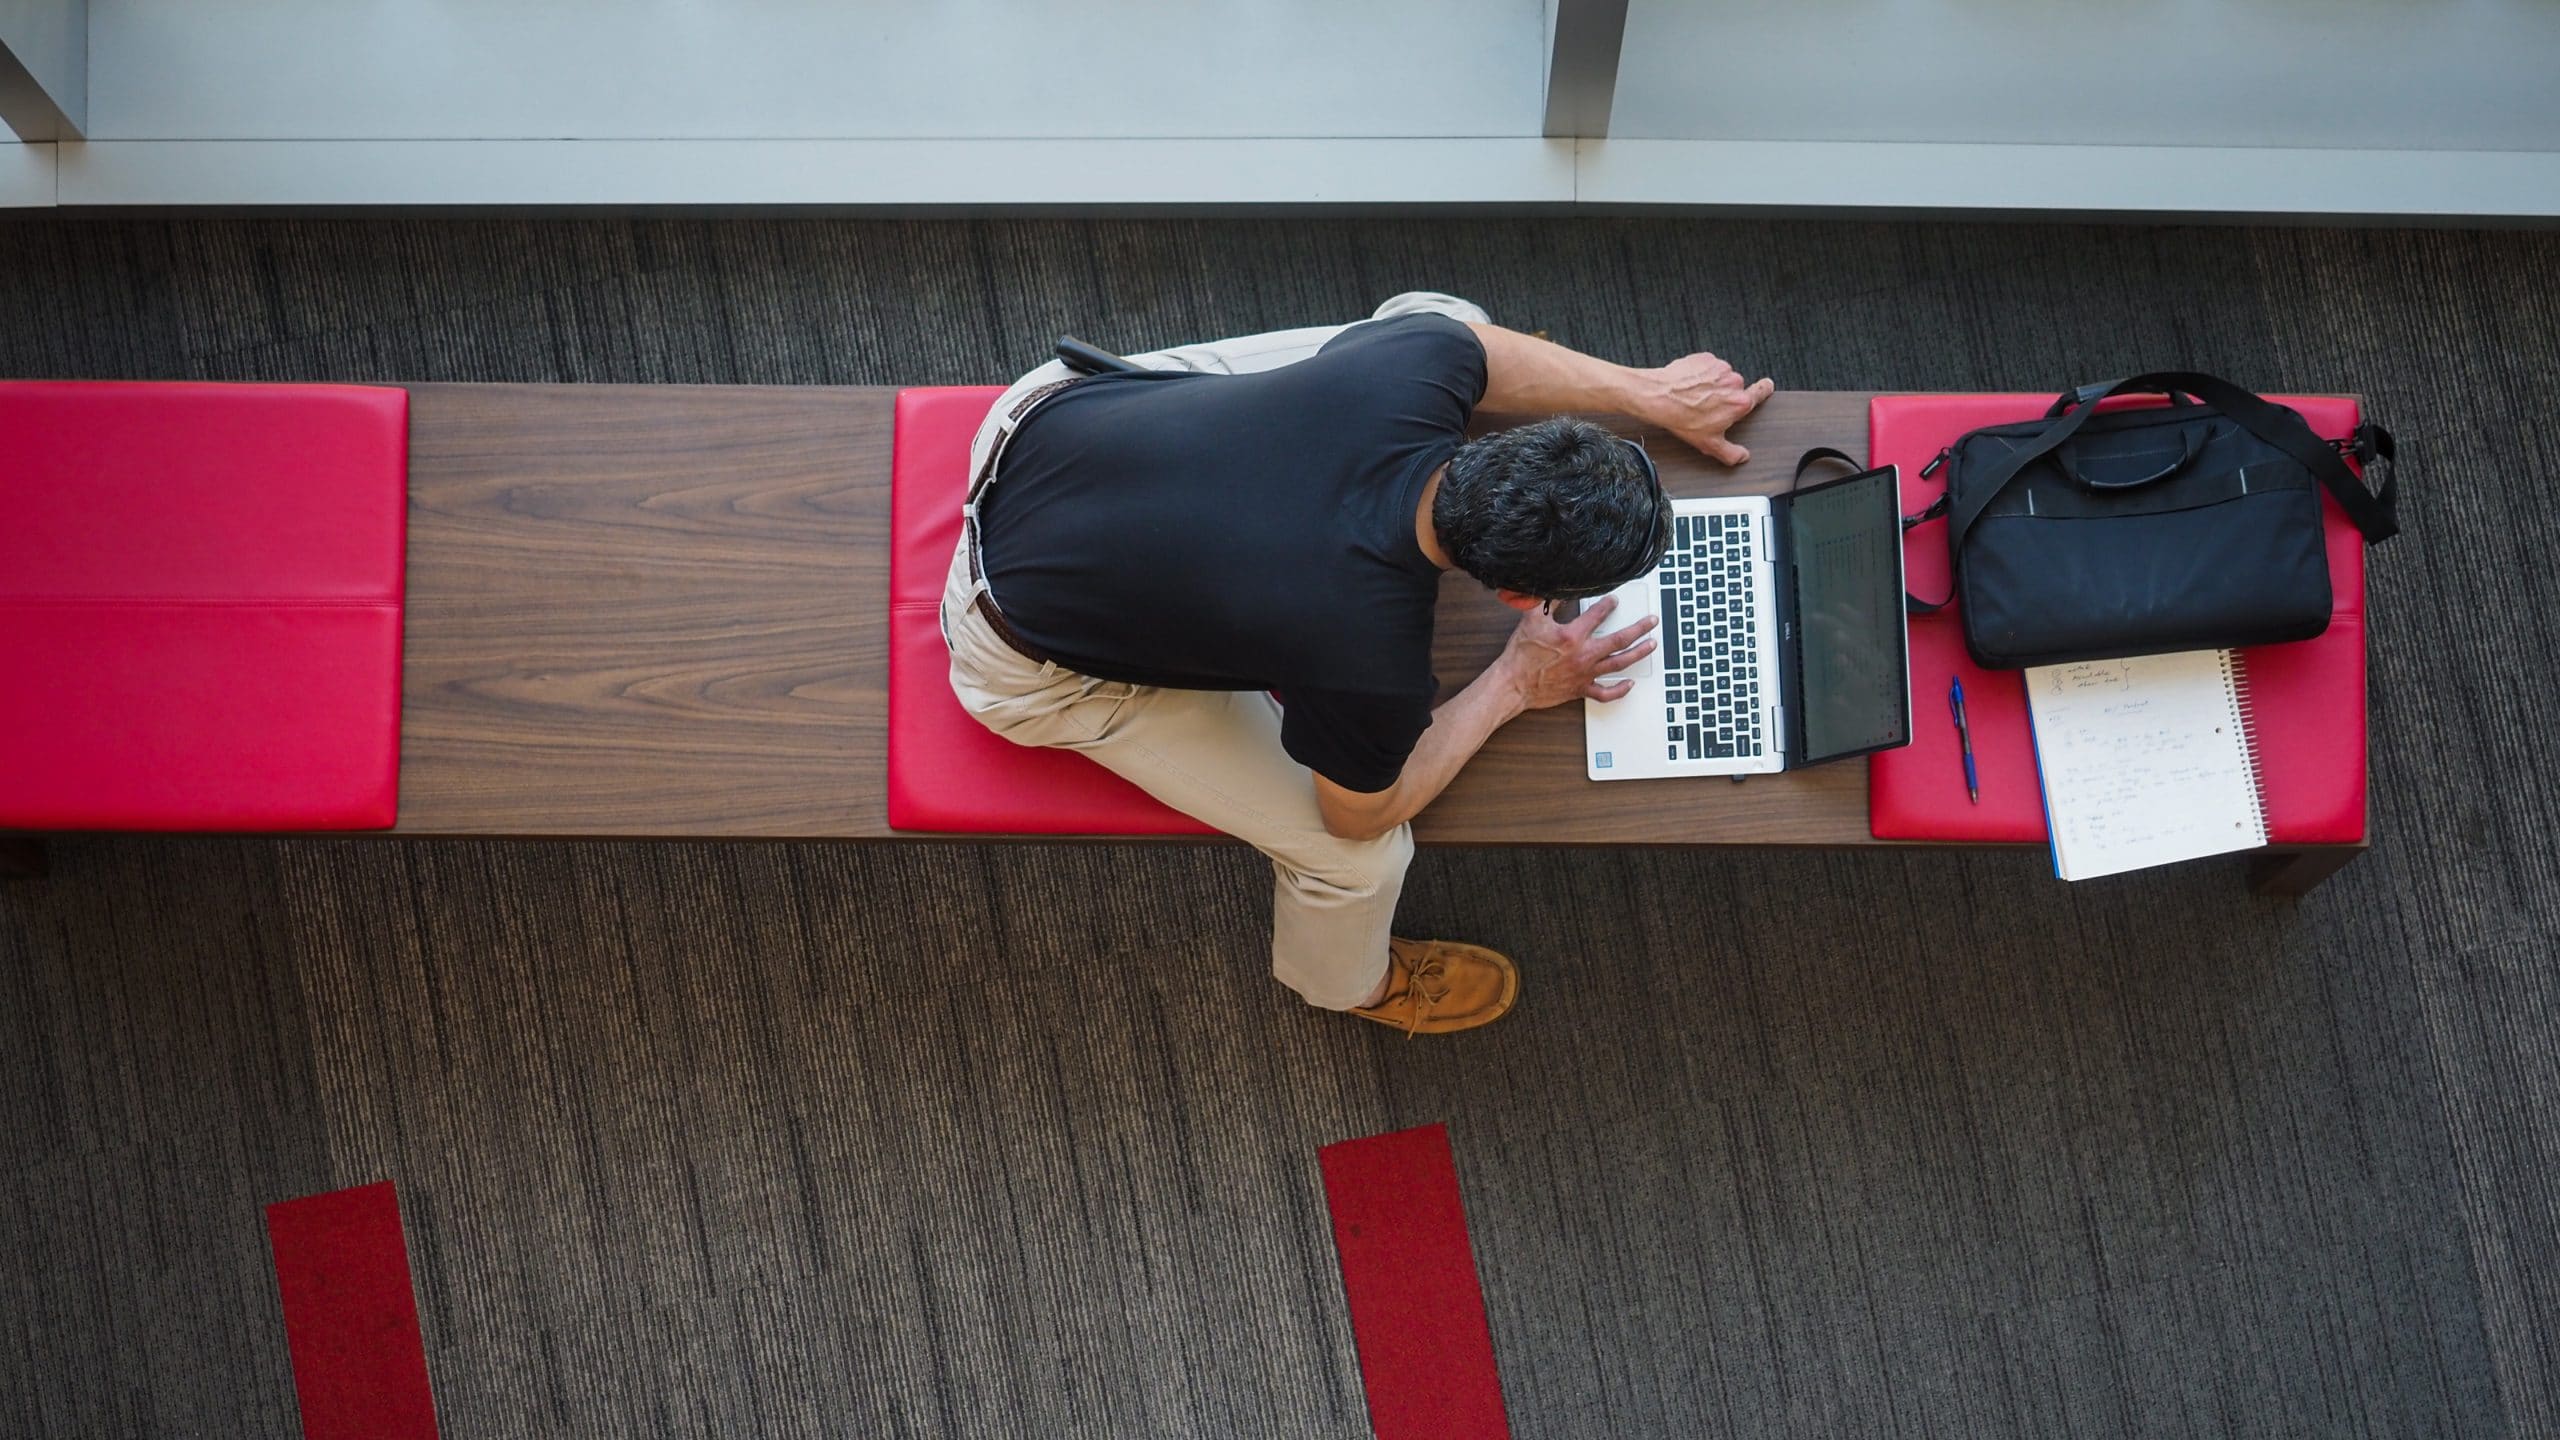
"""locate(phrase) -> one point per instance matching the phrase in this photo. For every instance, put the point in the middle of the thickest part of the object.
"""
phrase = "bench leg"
(2294, 873)
(22, 857)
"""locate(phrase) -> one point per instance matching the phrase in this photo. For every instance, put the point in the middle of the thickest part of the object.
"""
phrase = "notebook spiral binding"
(2244, 715)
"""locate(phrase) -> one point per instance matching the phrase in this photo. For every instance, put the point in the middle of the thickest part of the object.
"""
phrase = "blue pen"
(1964, 732)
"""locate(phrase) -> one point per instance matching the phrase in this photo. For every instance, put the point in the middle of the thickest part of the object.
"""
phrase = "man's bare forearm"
(1696, 397)
(1458, 730)
(1525, 375)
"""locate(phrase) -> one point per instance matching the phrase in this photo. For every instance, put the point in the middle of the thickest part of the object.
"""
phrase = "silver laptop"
(1783, 642)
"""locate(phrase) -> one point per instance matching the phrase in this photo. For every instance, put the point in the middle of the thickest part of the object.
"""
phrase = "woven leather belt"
(985, 604)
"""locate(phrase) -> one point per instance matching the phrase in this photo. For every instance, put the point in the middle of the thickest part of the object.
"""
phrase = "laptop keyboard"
(1710, 656)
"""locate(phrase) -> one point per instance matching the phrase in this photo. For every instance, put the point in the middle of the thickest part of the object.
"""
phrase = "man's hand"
(1698, 398)
(1547, 664)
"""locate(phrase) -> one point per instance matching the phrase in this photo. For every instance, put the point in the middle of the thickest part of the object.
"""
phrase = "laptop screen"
(1856, 691)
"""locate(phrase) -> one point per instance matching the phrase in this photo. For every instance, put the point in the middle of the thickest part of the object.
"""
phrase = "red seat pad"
(947, 772)
(2308, 698)
(200, 605)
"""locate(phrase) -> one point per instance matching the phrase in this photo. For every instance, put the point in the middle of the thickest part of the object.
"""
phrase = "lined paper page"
(2145, 761)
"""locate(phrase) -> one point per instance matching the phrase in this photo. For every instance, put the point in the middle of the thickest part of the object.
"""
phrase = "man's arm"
(1544, 664)
(1697, 397)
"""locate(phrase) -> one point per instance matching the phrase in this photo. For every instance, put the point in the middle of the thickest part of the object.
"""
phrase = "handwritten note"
(2145, 761)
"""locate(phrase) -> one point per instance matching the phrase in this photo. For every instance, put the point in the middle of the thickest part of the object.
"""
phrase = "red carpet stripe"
(359, 1364)
(1417, 1313)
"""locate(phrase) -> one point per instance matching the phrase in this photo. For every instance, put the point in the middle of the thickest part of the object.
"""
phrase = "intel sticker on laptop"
(1600, 759)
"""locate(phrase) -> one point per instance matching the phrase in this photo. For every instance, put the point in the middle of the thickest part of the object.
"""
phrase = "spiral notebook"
(2146, 761)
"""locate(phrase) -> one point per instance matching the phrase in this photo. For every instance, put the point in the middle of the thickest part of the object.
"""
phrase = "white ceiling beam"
(44, 68)
(1584, 38)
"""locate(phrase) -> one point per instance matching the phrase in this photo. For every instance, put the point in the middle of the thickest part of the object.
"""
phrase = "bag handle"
(2375, 513)
(2178, 399)
(1818, 455)
(2190, 441)
(2191, 444)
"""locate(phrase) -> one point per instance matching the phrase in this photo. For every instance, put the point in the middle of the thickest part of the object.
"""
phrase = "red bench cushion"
(200, 600)
(2309, 697)
(947, 772)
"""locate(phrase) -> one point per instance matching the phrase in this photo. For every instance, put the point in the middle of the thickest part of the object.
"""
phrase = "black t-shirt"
(1247, 532)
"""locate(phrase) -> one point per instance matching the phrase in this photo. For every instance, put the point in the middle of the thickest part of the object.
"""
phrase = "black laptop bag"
(2195, 526)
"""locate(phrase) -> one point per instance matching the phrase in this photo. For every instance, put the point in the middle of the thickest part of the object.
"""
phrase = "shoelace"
(1419, 981)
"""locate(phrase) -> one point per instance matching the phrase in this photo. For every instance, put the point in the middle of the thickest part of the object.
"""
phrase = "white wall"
(2317, 74)
(2410, 109)
(870, 174)
(26, 175)
(812, 69)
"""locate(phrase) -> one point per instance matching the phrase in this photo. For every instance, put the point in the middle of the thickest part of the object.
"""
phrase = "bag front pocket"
(2039, 590)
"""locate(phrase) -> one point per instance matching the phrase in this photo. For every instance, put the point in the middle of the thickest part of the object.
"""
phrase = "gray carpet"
(945, 1140)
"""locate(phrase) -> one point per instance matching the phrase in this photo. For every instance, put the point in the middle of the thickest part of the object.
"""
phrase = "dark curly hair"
(1560, 510)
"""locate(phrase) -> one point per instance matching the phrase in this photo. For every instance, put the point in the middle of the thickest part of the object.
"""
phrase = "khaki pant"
(1213, 755)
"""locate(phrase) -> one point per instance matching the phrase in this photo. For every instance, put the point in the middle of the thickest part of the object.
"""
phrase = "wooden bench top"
(646, 611)
(660, 611)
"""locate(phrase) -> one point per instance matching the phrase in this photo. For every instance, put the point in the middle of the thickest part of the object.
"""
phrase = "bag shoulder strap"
(2375, 512)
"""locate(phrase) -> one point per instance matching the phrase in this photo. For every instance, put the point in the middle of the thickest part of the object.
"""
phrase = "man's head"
(1559, 510)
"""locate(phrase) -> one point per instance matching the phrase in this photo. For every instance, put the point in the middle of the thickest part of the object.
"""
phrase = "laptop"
(1782, 641)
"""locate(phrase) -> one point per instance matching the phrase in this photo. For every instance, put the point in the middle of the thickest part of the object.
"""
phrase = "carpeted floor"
(710, 1140)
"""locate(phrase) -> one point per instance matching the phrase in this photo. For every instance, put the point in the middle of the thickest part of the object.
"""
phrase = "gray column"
(44, 68)
(1583, 41)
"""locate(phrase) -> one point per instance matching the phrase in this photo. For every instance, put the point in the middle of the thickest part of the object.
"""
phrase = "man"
(1219, 581)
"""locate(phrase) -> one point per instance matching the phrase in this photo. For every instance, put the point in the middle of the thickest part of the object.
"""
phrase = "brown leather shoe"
(1436, 986)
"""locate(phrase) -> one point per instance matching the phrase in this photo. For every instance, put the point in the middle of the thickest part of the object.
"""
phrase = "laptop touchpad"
(1635, 602)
